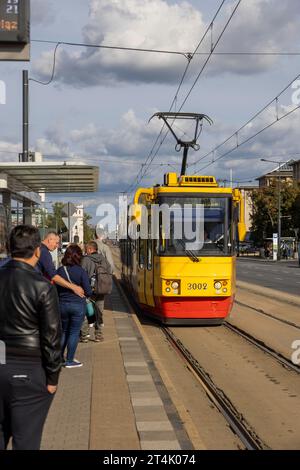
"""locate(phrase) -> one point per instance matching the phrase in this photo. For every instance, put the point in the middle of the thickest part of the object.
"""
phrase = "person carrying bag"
(100, 275)
(72, 307)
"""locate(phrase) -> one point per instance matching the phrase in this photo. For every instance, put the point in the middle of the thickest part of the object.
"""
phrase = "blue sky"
(99, 104)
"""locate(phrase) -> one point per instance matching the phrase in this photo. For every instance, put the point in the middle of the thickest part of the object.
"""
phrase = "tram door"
(141, 268)
(149, 280)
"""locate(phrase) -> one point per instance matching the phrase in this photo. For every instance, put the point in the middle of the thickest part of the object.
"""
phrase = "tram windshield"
(198, 226)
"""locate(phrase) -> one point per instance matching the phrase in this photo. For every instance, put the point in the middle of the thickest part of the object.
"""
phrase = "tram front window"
(215, 233)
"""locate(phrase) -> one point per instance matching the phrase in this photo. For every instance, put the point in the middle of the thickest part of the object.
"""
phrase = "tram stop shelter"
(27, 182)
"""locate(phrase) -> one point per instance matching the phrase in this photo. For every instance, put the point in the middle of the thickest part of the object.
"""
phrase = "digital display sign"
(14, 21)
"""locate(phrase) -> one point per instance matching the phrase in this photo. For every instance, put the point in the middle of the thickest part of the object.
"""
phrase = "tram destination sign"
(14, 21)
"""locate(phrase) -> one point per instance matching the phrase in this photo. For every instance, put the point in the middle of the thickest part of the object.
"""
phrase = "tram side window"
(149, 246)
(161, 243)
(142, 253)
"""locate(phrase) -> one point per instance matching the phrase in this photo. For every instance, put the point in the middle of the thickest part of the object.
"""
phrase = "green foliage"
(88, 230)
(265, 211)
(54, 220)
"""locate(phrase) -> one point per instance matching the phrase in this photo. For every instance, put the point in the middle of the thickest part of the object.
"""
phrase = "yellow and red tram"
(175, 284)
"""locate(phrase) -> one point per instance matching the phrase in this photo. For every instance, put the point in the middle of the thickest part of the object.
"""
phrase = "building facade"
(296, 171)
(284, 171)
(77, 232)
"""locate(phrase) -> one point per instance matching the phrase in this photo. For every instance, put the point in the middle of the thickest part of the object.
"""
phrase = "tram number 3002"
(197, 286)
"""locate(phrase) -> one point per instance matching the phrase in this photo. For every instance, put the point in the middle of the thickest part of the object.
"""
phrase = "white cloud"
(42, 13)
(280, 143)
(258, 26)
(9, 151)
(150, 24)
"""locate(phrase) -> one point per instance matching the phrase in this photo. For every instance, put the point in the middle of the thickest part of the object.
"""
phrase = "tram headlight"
(218, 285)
(171, 286)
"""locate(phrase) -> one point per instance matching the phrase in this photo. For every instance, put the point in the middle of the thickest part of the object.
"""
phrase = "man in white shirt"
(104, 250)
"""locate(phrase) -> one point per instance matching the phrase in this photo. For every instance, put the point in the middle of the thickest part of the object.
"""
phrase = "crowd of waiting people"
(42, 319)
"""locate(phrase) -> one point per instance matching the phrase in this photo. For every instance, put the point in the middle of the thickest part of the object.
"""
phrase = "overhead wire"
(236, 133)
(152, 155)
(96, 46)
(163, 51)
(213, 47)
(249, 138)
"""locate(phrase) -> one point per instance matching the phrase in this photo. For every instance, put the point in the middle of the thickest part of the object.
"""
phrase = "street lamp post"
(279, 205)
(279, 217)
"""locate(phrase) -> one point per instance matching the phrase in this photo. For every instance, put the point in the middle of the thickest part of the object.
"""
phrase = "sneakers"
(84, 339)
(98, 337)
(73, 364)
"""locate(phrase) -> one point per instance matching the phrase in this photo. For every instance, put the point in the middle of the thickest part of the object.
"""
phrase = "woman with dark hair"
(72, 307)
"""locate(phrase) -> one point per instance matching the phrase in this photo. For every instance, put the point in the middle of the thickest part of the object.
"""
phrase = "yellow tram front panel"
(208, 278)
(186, 290)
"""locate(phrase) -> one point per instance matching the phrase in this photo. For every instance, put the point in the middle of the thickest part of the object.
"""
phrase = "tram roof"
(53, 177)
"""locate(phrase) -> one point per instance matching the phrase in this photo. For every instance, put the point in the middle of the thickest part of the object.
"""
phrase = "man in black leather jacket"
(30, 331)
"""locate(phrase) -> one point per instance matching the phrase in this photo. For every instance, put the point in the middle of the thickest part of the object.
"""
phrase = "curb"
(269, 293)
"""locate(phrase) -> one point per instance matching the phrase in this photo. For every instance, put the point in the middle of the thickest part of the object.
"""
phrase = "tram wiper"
(190, 254)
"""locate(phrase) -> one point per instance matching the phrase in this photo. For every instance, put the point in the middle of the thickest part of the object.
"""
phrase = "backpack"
(102, 279)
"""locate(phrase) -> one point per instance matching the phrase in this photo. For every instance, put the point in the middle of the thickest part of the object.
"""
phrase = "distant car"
(247, 248)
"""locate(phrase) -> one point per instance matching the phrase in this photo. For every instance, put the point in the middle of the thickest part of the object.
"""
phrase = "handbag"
(90, 304)
(90, 309)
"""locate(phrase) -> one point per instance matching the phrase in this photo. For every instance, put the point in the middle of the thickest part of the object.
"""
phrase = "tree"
(265, 211)
(88, 230)
(295, 213)
(54, 220)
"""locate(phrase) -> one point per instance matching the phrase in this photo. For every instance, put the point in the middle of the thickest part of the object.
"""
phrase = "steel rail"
(235, 419)
(263, 347)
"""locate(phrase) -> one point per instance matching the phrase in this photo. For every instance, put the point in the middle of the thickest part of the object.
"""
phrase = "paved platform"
(117, 400)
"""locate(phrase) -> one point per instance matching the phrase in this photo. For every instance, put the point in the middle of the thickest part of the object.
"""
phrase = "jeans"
(72, 316)
(99, 317)
(24, 403)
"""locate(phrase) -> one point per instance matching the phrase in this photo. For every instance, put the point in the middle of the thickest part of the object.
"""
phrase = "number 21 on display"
(12, 6)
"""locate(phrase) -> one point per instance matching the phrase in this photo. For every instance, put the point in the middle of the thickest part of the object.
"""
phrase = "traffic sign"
(69, 209)
(73, 222)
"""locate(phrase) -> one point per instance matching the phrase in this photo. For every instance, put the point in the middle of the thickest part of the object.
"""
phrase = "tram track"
(270, 315)
(263, 347)
(247, 430)
(234, 418)
(265, 379)
(236, 421)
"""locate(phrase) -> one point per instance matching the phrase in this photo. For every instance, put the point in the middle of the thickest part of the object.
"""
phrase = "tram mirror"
(136, 213)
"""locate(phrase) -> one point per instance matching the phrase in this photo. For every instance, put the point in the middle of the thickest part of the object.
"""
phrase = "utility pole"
(279, 216)
(25, 117)
(279, 202)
